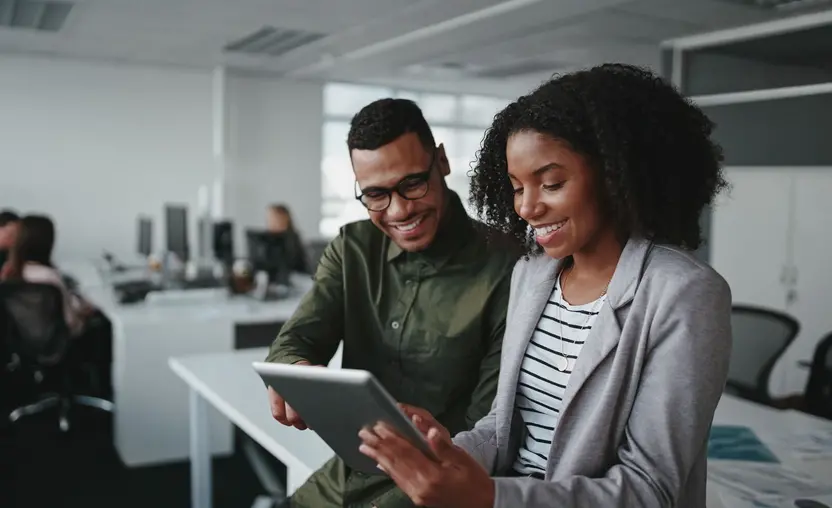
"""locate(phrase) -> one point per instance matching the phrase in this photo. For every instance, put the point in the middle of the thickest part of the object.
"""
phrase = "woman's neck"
(592, 269)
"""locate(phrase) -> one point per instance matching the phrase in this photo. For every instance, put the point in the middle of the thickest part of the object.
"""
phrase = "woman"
(31, 260)
(617, 339)
(279, 220)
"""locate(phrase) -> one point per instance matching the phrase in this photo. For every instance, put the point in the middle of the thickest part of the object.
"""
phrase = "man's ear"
(442, 160)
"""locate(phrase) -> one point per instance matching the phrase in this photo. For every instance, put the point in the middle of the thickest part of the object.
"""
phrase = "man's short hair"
(385, 120)
(7, 216)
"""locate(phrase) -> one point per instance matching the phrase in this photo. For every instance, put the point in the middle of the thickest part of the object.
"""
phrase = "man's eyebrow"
(377, 188)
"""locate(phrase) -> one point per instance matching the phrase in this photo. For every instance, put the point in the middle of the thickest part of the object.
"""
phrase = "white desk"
(770, 425)
(151, 414)
(227, 382)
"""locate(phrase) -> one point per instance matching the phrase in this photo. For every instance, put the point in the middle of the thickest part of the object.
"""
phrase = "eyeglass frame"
(423, 176)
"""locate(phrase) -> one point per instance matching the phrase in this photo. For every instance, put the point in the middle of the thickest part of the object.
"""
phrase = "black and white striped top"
(560, 332)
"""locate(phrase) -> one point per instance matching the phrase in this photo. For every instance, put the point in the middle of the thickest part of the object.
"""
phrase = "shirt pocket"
(444, 362)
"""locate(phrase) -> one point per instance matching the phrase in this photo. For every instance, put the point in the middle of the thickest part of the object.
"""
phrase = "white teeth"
(411, 226)
(545, 230)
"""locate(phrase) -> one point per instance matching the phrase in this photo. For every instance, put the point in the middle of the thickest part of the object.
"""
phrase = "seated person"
(279, 220)
(9, 223)
(618, 339)
(30, 260)
(414, 292)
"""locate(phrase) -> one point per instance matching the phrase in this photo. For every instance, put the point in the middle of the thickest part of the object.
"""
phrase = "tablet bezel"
(341, 440)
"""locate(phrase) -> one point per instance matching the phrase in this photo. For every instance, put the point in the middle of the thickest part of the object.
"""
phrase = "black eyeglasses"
(411, 187)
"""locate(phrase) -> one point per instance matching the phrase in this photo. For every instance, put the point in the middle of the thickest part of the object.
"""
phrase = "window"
(457, 121)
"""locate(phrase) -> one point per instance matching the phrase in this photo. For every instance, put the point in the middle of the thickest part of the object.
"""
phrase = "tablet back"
(336, 404)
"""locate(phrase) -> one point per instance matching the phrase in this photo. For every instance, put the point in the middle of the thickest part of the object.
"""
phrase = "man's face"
(8, 235)
(404, 164)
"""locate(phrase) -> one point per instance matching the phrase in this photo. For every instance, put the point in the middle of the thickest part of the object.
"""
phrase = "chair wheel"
(63, 423)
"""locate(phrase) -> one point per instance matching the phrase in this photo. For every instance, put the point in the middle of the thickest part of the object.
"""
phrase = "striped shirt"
(550, 357)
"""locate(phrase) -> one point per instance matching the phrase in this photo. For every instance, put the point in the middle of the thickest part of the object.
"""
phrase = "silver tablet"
(337, 403)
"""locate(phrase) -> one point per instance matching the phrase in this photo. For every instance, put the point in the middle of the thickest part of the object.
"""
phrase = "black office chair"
(36, 334)
(760, 338)
(314, 250)
(818, 395)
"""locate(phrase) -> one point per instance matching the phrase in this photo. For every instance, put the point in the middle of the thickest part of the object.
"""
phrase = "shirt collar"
(454, 231)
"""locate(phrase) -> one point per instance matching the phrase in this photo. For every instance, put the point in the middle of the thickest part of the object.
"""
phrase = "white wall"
(274, 152)
(95, 144)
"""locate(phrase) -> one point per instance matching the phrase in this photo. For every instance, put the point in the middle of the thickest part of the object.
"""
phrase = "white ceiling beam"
(413, 36)
(751, 31)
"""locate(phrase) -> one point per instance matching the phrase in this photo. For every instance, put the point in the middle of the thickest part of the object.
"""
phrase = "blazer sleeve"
(481, 441)
(682, 380)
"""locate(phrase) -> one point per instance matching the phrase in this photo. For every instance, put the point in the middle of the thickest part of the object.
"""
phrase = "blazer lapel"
(606, 331)
(519, 334)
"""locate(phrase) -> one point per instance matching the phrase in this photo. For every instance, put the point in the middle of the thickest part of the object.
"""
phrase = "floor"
(39, 467)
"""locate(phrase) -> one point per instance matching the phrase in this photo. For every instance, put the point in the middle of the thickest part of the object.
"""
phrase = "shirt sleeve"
(489, 371)
(317, 326)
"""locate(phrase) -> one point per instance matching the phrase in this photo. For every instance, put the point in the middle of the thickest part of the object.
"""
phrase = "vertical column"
(200, 452)
(220, 140)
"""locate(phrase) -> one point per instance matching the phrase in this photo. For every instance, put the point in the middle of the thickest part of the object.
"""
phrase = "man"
(414, 292)
(9, 224)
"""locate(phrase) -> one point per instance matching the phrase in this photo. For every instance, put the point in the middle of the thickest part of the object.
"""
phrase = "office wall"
(274, 152)
(95, 144)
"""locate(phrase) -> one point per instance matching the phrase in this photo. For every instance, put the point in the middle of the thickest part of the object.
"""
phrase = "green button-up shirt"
(428, 325)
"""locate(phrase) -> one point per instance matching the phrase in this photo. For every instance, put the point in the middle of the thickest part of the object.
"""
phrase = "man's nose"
(399, 208)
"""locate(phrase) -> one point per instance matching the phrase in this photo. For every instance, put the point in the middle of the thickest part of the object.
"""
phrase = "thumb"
(439, 443)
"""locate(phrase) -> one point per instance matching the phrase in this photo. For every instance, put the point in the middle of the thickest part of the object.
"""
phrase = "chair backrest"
(314, 250)
(818, 396)
(760, 336)
(35, 327)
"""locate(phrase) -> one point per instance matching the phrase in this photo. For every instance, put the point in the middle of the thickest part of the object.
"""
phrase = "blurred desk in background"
(151, 415)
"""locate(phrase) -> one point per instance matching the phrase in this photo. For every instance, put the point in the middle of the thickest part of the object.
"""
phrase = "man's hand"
(283, 412)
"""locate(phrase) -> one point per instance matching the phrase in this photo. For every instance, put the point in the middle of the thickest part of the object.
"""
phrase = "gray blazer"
(637, 410)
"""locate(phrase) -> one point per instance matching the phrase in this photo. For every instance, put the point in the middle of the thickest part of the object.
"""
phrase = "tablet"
(337, 404)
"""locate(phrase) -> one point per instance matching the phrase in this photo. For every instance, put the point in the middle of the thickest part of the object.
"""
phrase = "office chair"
(271, 477)
(37, 336)
(760, 336)
(314, 250)
(818, 395)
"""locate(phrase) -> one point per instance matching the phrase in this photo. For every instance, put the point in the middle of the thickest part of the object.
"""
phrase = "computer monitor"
(268, 252)
(145, 247)
(176, 225)
(224, 241)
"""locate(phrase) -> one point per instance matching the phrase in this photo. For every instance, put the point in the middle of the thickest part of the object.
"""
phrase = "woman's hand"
(454, 479)
(423, 420)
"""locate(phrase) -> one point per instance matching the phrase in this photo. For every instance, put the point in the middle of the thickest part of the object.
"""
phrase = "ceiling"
(492, 46)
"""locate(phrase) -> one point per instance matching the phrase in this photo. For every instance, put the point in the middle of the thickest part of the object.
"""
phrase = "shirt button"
(395, 325)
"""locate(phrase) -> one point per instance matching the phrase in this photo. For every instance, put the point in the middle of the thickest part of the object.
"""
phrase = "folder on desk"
(733, 442)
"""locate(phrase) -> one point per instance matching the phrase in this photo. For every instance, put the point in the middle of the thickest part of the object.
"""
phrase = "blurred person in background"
(9, 224)
(279, 220)
(30, 260)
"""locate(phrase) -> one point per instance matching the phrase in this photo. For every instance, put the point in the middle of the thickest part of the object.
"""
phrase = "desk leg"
(200, 453)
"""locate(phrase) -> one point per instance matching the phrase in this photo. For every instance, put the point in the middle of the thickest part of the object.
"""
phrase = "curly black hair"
(384, 120)
(651, 149)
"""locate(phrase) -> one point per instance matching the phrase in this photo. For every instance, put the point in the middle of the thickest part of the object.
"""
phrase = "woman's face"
(277, 221)
(555, 192)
